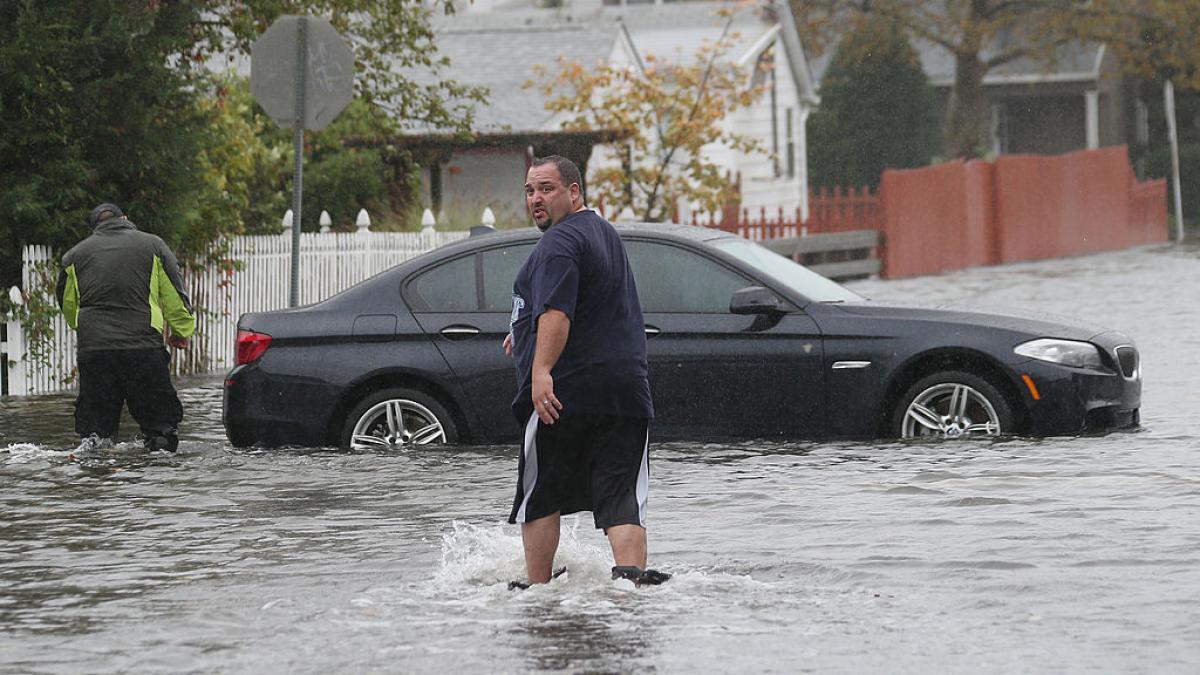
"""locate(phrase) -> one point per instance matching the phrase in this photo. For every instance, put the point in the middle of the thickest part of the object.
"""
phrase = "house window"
(764, 74)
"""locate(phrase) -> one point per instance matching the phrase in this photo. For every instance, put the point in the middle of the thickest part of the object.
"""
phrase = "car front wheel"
(396, 419)
(952, 404)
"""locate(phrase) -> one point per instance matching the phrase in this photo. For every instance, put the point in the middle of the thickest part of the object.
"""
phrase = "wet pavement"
(1001, 556)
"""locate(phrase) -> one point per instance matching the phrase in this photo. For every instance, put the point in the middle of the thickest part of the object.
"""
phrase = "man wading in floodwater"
(119, 288)
(580, 345)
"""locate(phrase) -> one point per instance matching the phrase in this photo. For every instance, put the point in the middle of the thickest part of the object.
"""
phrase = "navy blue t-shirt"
(579, 268)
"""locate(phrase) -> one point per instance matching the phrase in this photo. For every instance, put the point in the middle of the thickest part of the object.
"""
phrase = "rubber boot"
(163, 441)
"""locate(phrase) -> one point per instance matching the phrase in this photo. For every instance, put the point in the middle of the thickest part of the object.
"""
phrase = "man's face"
(547, 199)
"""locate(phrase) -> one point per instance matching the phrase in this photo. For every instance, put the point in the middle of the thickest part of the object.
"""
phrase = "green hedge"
(1158, 165)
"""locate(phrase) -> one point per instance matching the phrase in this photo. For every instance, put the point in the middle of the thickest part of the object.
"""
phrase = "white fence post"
(12, 352)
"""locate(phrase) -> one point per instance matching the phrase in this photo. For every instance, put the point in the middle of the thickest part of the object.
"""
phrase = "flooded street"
(1063, 555)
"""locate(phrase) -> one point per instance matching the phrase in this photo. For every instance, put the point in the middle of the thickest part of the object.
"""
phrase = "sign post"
(302, 74)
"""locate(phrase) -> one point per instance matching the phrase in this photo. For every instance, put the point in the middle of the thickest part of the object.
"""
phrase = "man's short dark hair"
(567, 171)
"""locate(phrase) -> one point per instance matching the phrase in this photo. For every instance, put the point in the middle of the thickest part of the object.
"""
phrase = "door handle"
(652, 331)
(459, 332)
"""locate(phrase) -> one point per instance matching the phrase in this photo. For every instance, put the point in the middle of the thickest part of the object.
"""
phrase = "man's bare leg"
(628, 545)
(540, 538)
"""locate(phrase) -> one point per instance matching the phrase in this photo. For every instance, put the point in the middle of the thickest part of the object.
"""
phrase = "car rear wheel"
(952, 404)
(396, 419)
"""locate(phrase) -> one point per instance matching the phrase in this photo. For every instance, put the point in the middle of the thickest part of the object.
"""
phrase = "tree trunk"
(967, 123)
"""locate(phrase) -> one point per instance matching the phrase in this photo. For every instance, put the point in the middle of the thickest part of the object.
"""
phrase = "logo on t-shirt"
(518, 303)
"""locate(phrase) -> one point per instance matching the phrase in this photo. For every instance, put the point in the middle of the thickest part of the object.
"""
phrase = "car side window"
(674, 279)
(449, 287)
(500, 267)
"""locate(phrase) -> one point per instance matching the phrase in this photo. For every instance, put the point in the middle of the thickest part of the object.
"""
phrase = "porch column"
(802, 163)
(1092, 100)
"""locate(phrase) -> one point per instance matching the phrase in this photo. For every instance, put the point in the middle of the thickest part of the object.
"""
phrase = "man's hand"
(177, 342)
(508, 345)
(545, 402)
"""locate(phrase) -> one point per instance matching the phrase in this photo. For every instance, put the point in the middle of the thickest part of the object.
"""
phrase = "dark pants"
(140, 377)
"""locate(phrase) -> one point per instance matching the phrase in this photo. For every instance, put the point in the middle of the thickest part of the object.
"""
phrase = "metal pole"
(298, 150)
(1173, 135)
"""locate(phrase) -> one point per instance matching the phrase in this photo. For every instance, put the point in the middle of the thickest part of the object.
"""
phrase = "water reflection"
(603, 634)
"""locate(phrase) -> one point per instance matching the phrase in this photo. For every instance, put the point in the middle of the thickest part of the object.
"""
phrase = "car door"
(464, 305)
(714, 373)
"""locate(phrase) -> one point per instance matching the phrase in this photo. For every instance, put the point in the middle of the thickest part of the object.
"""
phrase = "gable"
(498, 48)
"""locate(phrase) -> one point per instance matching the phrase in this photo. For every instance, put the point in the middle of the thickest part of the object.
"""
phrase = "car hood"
(1033, 324)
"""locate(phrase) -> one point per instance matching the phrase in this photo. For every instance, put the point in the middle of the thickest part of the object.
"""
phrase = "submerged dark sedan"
(742, 343)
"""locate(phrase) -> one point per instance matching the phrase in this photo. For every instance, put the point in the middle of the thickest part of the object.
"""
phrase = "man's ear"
(576, 193)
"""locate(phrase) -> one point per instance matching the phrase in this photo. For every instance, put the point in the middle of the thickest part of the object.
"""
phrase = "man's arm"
(553, 328)
(66, 292)
(177, 308)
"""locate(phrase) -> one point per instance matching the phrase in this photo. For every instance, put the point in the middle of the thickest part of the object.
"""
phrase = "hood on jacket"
(104, 212)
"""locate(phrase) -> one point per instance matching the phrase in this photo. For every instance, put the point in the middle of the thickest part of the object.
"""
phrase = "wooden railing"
(844, 210)
(837, 255)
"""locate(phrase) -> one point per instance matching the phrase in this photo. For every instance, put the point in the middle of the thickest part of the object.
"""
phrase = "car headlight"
(1066, 352)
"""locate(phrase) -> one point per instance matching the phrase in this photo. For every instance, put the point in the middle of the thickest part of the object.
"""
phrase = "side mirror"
(754, 300)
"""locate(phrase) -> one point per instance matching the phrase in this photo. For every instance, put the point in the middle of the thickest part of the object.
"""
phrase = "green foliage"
(342, 183)
(342, 176)
(92, 110)
(240, 171)
(877, 110)
(108, 100)
(36, 314)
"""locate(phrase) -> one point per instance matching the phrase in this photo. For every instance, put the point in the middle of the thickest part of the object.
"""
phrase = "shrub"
(877, 110)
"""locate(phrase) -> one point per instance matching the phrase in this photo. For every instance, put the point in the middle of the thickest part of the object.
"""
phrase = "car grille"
(1128, 358)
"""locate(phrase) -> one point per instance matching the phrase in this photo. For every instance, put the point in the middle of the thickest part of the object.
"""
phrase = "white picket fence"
(329, 263)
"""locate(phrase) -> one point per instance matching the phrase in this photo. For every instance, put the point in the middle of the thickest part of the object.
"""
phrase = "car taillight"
(251, 345)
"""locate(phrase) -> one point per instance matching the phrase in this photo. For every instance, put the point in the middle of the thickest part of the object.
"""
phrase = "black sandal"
(522, 585)
(639, 576)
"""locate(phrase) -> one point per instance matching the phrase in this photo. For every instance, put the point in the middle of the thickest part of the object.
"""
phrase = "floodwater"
(1063, 555)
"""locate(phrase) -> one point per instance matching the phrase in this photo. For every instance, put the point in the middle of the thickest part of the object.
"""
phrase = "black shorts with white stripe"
(584, 462)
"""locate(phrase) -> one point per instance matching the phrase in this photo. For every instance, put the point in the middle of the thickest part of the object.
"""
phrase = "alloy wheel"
(950, 410)
(396, 424)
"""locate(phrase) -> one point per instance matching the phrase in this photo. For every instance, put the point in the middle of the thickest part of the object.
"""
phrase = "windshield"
(797, 277)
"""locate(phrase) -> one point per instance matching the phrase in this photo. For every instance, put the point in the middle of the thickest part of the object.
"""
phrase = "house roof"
(501, 57)
(499, 48)
(1073, 62)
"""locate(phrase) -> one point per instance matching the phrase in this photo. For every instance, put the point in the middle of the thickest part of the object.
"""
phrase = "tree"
(110, 100)
(93, 109)
(667, 113)
(877, 110)
(984, 34)
(242, 168)
(341, 178)
(391, 39)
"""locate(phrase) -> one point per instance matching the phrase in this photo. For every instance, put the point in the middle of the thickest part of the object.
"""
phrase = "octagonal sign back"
(328, 78)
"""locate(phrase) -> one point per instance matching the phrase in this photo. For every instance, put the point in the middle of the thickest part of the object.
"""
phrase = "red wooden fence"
(1021, 207)
(829, 210)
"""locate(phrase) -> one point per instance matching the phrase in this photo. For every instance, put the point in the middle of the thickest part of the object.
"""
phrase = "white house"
(497, 44)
